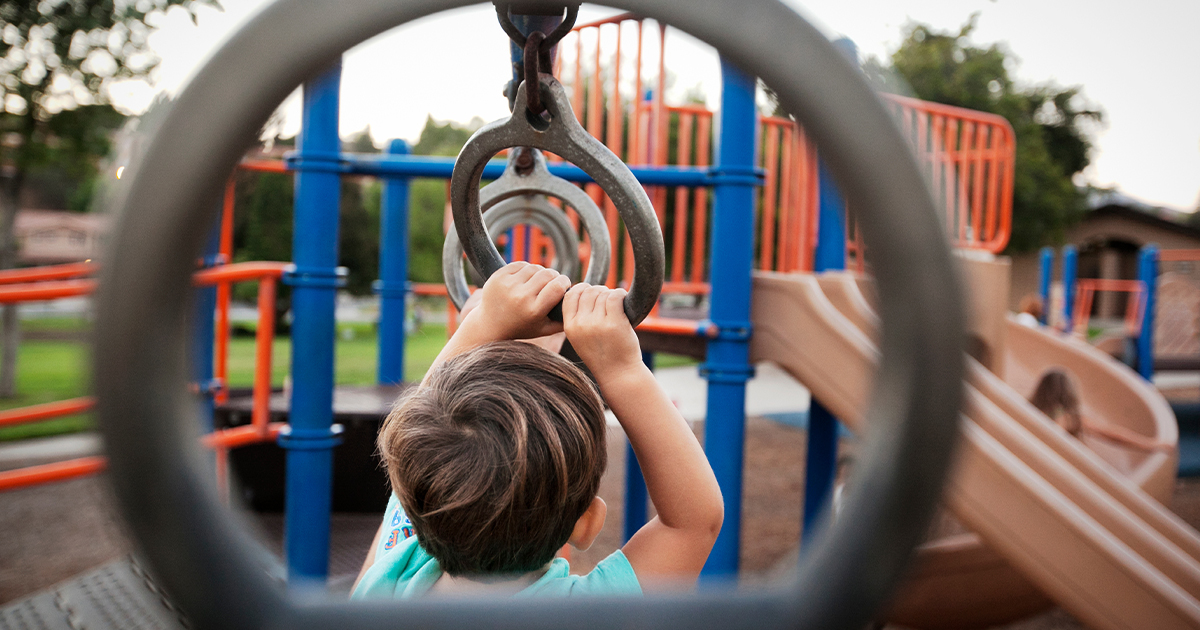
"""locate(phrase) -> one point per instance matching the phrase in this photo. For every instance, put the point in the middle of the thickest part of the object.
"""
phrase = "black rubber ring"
(213, 567)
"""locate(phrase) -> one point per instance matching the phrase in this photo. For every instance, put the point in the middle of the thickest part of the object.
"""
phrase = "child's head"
(497, 459)
(1032, 303)
(1056, 396)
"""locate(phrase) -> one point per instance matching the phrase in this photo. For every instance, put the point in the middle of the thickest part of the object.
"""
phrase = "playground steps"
(119, 595)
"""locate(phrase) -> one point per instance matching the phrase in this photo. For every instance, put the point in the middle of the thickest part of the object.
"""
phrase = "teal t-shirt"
(402, 569)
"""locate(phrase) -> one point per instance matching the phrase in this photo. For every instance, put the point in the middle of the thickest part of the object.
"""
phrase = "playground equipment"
(138, 380)
(537, 181)
(1077, 302)
(60, 281)
(1106, 551)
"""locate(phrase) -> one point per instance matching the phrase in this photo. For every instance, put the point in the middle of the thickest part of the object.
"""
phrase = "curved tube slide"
(1080, 521)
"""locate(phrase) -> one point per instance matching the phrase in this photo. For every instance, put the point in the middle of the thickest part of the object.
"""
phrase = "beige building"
(48, 237)
(1108, 240)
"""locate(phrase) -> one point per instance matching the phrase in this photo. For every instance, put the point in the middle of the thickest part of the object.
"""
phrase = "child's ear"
(589, 525)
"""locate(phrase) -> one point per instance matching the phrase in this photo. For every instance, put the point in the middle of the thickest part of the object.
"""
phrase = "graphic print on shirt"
(402, 528)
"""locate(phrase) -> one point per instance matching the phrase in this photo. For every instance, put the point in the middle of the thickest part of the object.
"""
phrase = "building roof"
(1122, 211)
(28, 221)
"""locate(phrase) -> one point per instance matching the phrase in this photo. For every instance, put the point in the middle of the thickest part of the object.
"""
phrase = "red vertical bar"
(787, 215)
(700, 201)
(680, 219)
(950, 133)
(770, 133)
(221, 336)
(263, 339)
(978, 228)
(993, 193)
(963, 208)
(636, 142)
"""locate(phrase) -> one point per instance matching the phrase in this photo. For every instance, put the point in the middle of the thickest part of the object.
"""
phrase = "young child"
(495, 460)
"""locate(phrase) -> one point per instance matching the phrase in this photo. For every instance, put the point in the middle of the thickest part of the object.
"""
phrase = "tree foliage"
(56, 58)
(1052, 124)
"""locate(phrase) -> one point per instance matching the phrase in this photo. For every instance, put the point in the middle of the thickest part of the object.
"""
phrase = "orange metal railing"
(260, 429)
(969, 157)
(49, 272)
(1135, 307)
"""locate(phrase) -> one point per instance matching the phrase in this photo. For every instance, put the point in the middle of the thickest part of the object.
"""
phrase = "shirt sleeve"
(612, 576)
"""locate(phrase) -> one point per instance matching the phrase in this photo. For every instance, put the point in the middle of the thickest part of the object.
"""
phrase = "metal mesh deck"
(119, 596)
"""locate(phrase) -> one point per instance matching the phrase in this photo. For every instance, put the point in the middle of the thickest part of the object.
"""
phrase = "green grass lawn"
(56, 370)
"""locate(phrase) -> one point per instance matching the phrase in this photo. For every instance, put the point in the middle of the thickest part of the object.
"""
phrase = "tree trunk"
(10, 325)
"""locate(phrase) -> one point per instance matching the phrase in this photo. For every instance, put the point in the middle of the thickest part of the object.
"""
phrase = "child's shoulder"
(612, 576)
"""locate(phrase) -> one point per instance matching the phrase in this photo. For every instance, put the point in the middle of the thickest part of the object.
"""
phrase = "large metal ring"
(505, 215)
(565, 137)
(203, 554)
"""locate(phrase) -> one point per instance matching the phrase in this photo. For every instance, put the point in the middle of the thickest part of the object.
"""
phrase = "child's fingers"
(614, 304)
(526, 272)
(512, 268)
(571, 301)
(541, 279)
(552, 293)
(591, 299)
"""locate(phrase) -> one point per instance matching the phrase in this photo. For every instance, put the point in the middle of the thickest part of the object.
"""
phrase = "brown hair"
(496, 457)
(1032, 304)
(1056, 397)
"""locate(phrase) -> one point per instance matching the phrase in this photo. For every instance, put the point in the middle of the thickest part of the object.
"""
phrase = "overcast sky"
(1139, 62)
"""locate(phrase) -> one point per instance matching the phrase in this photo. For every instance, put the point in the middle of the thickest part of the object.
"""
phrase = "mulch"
(53, 532)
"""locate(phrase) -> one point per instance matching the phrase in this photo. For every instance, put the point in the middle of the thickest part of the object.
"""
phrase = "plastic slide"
(1083, 529)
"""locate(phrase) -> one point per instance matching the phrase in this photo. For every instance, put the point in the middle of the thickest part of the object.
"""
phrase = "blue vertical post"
(1046, 269)
(203, 333)
(1148, 274)
(314, 278)
(393, 273)
(1069, 273)
(731, 256)
(636, 494)
(822, 448)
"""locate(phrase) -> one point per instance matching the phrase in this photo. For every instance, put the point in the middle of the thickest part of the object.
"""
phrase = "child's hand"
(516, 301)
(596, 325)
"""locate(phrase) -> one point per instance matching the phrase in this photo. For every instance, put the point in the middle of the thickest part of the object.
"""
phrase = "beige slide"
(1079, 522)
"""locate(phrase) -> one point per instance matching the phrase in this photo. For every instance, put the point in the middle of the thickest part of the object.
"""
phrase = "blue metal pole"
(822, 448)
(1148, 274)
(1046, 267)
(636, 494)
(1069, 273)
(393, 274)
(387, 166)
(314, 278)
(727, 366)
(203, 334)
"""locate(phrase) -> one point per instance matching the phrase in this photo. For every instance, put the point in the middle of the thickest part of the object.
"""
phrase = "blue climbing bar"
(727, 366)
(1046, 270)
(636, 495)
(203, 332)
(393, 274)
(1147, 272)
(314, 278)
(1069, 274)
(822, 447)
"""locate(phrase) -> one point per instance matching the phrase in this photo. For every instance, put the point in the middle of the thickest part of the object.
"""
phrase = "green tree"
(427, 201)
(1052, 124)
(56, 57)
